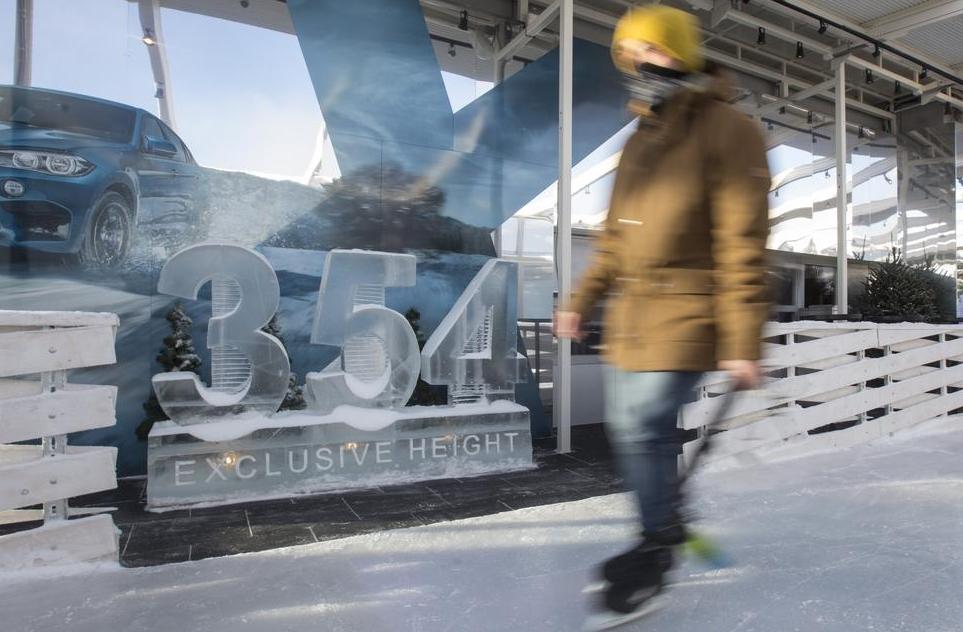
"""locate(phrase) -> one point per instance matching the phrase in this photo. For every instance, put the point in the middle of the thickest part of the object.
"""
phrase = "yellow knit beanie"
(675, 32)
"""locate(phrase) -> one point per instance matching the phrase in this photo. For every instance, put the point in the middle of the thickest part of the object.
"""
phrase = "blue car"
(77, 174)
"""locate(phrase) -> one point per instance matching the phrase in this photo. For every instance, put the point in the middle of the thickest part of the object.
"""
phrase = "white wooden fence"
(870, 379)
(37, 402)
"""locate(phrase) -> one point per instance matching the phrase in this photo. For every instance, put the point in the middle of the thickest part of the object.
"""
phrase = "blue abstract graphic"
(380, 89)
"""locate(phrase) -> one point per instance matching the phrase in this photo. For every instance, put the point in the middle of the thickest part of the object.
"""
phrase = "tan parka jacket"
(682, 254)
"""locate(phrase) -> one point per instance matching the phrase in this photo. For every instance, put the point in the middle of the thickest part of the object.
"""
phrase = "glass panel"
(876, 227)
(790, 201)
(959, 219)
(823, 190)
(927, 189)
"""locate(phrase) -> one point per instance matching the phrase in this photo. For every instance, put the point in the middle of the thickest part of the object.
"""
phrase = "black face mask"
(649, 69)
(652, 84)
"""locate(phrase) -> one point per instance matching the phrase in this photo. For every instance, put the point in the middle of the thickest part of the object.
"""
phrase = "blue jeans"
(641, 416)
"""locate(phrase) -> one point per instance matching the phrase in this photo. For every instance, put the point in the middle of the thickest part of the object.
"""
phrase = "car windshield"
(37, 108)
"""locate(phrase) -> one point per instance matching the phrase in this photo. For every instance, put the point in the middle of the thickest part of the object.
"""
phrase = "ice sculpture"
(474, 350)
(250, 367)
(358, 431)
(379, 362)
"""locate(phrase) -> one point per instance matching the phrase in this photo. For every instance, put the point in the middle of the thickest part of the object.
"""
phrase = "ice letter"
(364, 453)
(383, 452)
(412, 449)
(215, 470)
(511, 440)
(324, 454)
(475, 447)
(180, 469)
(267, 466)
(237, 466)
(304, 462)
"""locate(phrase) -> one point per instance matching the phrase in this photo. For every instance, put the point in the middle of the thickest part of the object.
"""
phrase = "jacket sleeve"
(602, 270)
(740, 226)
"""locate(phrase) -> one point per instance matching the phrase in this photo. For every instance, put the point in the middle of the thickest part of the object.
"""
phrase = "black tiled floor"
(149, 539)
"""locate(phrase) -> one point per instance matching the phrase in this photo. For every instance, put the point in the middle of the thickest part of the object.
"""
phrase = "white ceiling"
(862, 11)
(931, 27)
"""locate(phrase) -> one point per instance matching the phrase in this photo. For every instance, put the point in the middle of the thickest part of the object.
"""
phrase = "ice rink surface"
(869, 538)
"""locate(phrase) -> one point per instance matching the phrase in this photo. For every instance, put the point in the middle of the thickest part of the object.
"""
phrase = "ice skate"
(637, 589)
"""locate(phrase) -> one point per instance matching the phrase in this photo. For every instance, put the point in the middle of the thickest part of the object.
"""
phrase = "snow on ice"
(862, 539)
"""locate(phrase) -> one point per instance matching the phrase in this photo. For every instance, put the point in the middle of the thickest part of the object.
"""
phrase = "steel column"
(842, 193)
(562, 389)
(150, 22)
(23, 44)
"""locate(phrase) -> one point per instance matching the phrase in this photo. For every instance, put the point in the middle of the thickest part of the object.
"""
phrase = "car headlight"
(57, 164)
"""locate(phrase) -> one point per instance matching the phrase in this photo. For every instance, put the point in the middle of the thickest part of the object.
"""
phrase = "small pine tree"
(177, 354)
(897, 291)
(425, 394)
(294, 397)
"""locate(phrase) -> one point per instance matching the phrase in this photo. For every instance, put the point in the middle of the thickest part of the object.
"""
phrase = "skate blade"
(598, 621)
(595, 587)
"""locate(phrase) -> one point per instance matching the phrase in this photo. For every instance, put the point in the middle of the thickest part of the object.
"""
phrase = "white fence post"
(48, 408)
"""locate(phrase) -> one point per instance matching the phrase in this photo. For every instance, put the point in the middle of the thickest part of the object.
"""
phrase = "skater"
(681, 260)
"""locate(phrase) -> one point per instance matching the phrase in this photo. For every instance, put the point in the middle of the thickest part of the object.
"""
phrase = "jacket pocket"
(679, 305)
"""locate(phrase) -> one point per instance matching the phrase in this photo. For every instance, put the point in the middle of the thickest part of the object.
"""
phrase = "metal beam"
(784, 34)
(899, 23)
(809, 7)
(607, 19)
(532, 29)
(909, 84)
(23, 44)
(150, 22)
(768, 73)
(802, 95)
(563, 359)
(842, 195)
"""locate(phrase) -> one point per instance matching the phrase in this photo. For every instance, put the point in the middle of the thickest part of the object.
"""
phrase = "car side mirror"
(159, 147)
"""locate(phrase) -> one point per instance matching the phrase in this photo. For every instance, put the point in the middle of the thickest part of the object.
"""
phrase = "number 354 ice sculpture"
(473, 351)
(224, 441)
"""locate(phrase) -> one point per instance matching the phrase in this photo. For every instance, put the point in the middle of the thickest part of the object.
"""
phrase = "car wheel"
(107, 240)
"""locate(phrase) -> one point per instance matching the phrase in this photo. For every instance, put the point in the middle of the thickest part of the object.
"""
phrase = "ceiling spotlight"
(149, 37)
(800, 51)
(876, 51)
(451, 50)
(463, 21)
(809, 117)
(823, 27)
(761, 39)
(897, 88)
(924, 72)
(770, 126)
(862, 132)
(869, 76)
(947, 110)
